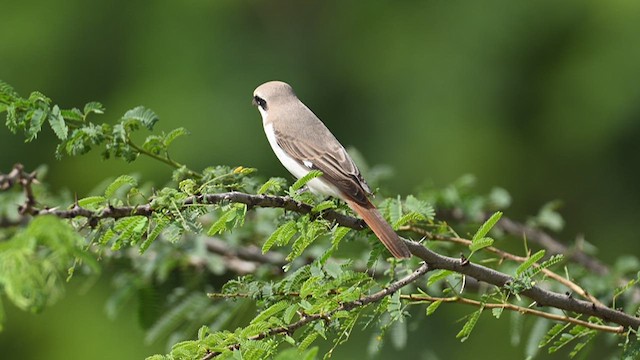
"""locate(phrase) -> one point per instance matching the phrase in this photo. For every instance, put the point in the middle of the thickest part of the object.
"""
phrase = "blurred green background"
(540, 97)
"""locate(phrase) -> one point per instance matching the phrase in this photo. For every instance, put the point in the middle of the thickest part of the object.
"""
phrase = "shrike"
(303, 143)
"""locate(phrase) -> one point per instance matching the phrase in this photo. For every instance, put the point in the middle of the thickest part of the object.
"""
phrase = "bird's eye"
(258, 101)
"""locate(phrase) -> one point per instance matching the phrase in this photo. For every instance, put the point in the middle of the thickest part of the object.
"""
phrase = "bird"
(302, 143)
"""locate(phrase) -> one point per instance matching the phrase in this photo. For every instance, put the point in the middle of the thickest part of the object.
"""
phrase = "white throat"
(264, 114)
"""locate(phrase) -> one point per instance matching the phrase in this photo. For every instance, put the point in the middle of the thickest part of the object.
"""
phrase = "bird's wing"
(330, 158)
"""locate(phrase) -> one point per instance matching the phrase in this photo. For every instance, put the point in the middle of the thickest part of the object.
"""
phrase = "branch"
(266, 201)
(540, 296)
(249, 253)
(306, 319)
(523, 310)
(26, 180)
(554, 246)
(435, 261)
(507, 255)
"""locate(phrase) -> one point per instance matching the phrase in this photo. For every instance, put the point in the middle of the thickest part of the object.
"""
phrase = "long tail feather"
(382, 229)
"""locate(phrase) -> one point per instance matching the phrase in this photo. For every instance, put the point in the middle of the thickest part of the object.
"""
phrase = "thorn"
(463, 260)
(593, 307)
(568, 294)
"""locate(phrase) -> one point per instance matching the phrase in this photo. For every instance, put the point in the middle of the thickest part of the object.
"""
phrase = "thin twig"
(554, 246)
(523, 310)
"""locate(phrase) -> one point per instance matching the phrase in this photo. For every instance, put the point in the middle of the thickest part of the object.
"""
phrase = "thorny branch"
(541, 296)
(19, 176)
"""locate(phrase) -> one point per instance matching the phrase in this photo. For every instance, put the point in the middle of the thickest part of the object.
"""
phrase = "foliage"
(307, 277)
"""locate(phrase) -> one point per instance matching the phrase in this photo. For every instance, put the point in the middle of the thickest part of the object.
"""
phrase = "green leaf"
(107, 236)
(58, 124)
(394, 207)
(556, 330)
(270, 311)
(433, 307)
(464, 334)
(188, 186)
(631, 348)
(339, 232)
(118, 183)
(220, 225)
(438, 275)
(585, 339)
(290, 312)
(547, 263)
(273, 185)
(154, 144)
(327, 204)
(310, 286)
(487, 226)
(38, 117)
(308, 340)
(72, 114)
(281, 235)
(305, 179)
(93, 107)
(92, 202)
(530, 261)
(7, 90)
(394, 306)
(174, 134)
(309, 234)
(38, 97)
(412, 203)
(35, 260)
(130, 228)
(412, 217)
(161, 222)
(480, 244)
(145, 116)
(497, 312)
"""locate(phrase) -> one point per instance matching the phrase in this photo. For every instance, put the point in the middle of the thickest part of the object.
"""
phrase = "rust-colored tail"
(381, 228)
